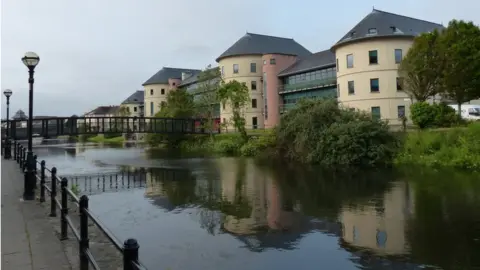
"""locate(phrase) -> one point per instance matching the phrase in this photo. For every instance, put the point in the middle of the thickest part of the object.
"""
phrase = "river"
(232, 213)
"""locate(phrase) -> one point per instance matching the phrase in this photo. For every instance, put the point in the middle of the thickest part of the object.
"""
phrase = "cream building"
(157, 87)
(367, 60)
(245, 62)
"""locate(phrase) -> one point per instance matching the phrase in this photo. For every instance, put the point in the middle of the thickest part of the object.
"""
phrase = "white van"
(469, 112)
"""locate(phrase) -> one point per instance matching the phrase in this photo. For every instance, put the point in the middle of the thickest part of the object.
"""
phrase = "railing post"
(53, 194)
(35, 162)
(24, 158)
(84, 241)
(130, 253)
(64, 210)
(15, 151)
(19, 155)
(42, 181)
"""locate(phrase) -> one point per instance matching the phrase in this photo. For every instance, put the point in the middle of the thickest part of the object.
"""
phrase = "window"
(235, 68)
(399, 84)
(350, 61)
(163, 91)
(398, 56)
(376, 113)
(152, 112)
(223, 106)
(381, 238)
(134, 109)
(223, 70)
(401, 111)
(254, 103)
(254, 122)
(253, 67)
(264, 62)
(374, 85)
(337, 65)
(372, 31)
(151, 92)
(272, 61)
(351, 87)
(373, 57)
(253, 85)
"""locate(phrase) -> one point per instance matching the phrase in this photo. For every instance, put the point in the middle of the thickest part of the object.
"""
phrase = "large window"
(253, 67)
(399, 84)
(350, 61)
(272, 61)
(398, 56)
(373, 57)
(151, 92)
(323, 74)
(374, 85)
(401, 111)
(351, 87)
(235, 68)
(162, 91)
(254, 122)
(254, 103)
(376, 113)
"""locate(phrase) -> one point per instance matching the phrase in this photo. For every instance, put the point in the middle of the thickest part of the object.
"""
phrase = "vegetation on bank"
(102, 139)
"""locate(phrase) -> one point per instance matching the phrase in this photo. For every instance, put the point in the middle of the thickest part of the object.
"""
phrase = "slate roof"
(193, 79)
(261, 44)
(103, 110)
(135, 98)
(315, 61)
(387, 24)
(162, 76)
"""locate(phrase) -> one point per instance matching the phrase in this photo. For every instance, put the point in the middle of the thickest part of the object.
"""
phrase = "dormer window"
(395, 30)
(372, 31)
(352, 34)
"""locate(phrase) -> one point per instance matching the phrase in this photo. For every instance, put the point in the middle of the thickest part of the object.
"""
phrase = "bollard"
(84, 241)
(15, 151)
(53, 193)
(35, 162)
(64, 210)
(19, 154)
(42, 181)
(24, 155)
(130, 254)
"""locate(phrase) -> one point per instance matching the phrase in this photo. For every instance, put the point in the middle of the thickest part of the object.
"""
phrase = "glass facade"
(290, 99)
(308, 80)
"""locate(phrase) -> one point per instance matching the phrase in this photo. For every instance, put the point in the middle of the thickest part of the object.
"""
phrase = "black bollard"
(84, 241)
(53, 194)
(42, 181)
(64, 210)
(130, 254)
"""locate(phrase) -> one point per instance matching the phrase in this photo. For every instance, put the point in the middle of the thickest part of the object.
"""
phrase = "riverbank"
(102, 139)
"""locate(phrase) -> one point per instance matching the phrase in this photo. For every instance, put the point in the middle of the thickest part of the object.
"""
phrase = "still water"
(231, 213)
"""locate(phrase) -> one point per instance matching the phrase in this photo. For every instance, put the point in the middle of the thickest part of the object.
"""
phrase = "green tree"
(421, 66)
(235, 95)
(205, 97)
(460, 77)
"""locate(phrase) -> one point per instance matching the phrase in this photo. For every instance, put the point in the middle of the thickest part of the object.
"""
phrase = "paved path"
(29, 241)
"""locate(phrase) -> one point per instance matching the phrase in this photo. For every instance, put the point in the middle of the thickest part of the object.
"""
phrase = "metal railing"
(129, 249)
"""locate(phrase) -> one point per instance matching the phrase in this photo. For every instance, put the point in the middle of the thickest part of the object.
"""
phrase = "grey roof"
(162, 76)
(135, 98)
(315, 61)
(103, 110)
(388, 24)
(261, 44)
(190, 80)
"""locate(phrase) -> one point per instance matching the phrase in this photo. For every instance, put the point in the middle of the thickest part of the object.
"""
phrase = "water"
(230, 213)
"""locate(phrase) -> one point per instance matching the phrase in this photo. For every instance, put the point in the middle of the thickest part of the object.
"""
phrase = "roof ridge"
(404, 16)
(248, 33)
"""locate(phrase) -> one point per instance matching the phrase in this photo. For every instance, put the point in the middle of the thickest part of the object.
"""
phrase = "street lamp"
(30, 60)
(7, 151)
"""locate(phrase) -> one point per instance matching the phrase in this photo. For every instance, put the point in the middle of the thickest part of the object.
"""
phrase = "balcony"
(306, 85)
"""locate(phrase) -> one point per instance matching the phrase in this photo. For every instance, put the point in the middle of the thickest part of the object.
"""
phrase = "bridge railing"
(129, 249)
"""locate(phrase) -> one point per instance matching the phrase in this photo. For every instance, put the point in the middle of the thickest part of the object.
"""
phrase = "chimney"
(185, 75)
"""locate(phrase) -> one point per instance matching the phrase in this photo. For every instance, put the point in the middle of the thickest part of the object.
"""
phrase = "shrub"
(322, 132)
(445, 116)
(423, 114)
(256, 145)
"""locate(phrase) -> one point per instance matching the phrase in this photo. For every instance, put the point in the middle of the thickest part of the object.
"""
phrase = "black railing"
(72, 126)
(129, 248)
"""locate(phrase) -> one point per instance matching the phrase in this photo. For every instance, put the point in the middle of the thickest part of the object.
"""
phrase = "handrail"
(129, 248)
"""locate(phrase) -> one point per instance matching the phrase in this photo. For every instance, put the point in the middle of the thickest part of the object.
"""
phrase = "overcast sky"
(97, 52)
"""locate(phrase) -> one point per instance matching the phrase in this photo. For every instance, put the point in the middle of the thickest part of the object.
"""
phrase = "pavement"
(29, 241)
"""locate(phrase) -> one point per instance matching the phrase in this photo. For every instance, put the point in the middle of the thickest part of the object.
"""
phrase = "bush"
(322, 132)
(423, 114)
(445, 116)
(256, 145)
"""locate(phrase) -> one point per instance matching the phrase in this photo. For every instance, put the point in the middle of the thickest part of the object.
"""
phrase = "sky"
(98, 52)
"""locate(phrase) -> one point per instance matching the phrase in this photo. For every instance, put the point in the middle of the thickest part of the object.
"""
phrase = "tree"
(460, 76)
(235, 95)
(205, 96)
(420, 68)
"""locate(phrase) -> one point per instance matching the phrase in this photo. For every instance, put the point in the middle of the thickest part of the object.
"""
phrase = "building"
(99, 124)
(157, 87)
(360, 70)
(134, 105)
(367, 60)
(256, 61)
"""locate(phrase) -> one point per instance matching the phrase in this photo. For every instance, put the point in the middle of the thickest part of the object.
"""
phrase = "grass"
(102, 139)
(456, 147)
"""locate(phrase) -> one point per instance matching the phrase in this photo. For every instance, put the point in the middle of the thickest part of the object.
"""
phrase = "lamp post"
(7, 151)
(30, 60)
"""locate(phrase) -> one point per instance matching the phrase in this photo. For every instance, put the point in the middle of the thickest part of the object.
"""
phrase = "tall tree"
(421, 66)
(205, 96)
(460, 78)
(235, 96)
